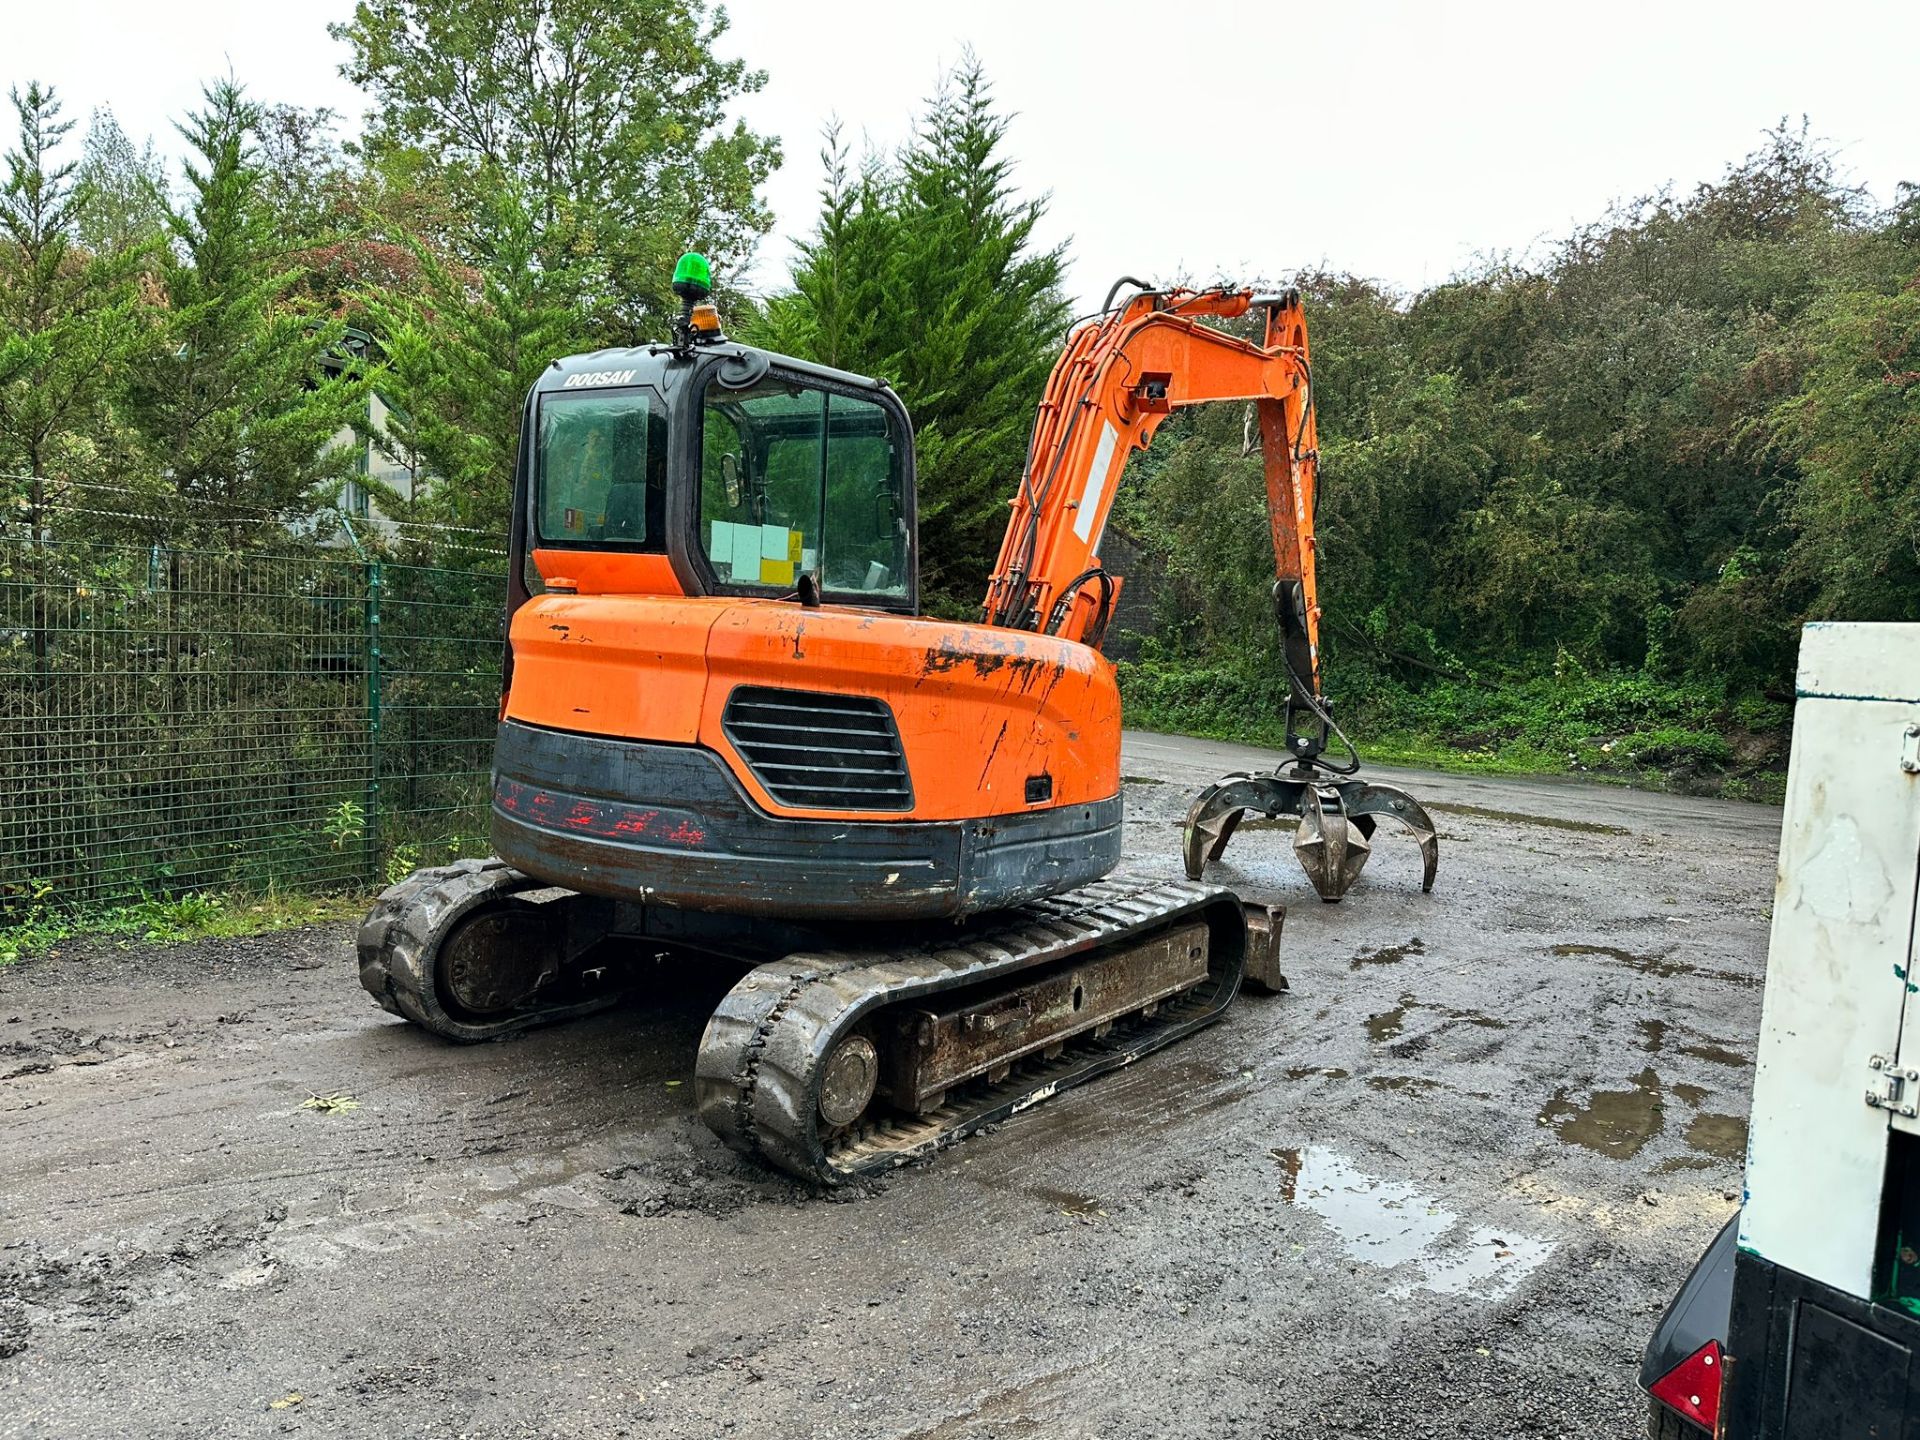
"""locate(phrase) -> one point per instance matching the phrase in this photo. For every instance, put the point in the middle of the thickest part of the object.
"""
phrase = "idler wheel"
(847, 1080)
(495, 962)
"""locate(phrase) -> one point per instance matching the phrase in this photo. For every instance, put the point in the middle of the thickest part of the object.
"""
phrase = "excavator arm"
(1116, 382)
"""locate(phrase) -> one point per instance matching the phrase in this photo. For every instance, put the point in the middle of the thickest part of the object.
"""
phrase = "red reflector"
(1693, 1386)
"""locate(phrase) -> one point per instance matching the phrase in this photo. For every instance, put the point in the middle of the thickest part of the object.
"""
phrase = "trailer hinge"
(1895, 1087)
(1910, 749)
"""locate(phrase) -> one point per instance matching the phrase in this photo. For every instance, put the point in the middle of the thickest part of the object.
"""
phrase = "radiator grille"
(816, 751)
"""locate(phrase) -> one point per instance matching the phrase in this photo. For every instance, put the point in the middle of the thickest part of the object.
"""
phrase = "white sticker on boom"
(1096, 483)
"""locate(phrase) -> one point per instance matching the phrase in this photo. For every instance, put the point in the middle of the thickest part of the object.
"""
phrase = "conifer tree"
(67, 318)
(234, 403)
(460, 359)
(122, 187)
(924, 269)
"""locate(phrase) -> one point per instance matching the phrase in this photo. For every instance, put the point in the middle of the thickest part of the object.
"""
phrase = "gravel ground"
(1442, 1188)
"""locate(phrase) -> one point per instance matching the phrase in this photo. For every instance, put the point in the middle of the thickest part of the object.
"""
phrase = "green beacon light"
(693, 277)
(698, 322)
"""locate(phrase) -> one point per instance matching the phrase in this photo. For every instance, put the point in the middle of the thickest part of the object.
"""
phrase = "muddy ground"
(1442, 1188)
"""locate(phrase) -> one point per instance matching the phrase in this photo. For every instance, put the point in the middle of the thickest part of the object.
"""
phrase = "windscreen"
(798, 480)
(601, 469)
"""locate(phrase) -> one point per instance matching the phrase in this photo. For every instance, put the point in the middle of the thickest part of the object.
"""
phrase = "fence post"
(375, 683)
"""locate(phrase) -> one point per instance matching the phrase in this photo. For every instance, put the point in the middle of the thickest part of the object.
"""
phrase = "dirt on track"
(1442, 1188)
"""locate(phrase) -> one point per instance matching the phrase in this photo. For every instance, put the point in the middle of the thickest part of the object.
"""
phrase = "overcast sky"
(1202, 137)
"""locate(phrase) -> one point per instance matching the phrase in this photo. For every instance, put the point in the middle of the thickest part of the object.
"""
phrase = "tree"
(234, 403)
(460, 359)
(123, 189)
(608, 117)
(304, 176)
(923, 269)
(1855, 429)
(68, 318)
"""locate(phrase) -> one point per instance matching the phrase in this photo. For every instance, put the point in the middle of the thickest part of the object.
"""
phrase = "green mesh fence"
(179, 719)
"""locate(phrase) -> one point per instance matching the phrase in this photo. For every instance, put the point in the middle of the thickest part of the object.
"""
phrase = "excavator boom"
(1118, 380)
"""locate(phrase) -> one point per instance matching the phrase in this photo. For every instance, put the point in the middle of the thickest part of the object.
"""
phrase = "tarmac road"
(1442, 1188)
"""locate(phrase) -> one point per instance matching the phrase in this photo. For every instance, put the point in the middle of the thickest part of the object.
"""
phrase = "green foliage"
(1620, 724)
(609, 118)
(1695, 426)
(404, 860)
(171, 922)
(68, 318)
(922, 269)
(122, 188)
(461, 356)
(1855, 429)
(346, 822)
(232, 402)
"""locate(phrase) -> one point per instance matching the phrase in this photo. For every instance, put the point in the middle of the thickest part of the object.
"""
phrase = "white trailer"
(1803, 1321)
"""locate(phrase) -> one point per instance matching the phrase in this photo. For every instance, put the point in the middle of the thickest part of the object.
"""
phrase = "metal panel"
(1096, 484)
(670, 824)
(1840, 953)
(933, 1049)
(819, 750)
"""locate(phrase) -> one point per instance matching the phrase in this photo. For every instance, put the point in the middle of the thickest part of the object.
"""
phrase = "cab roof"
(659, 366)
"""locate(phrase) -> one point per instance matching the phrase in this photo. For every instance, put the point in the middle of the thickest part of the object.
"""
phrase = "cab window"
(602, 469)
(796, 480)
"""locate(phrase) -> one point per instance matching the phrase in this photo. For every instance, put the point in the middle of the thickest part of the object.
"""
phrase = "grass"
(1623, 727)
(39, 929)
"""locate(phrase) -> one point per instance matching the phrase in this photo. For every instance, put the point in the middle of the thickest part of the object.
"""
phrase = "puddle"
(1384, 1026)
(1391, 1225)
(1714, 1053)
(1650, 964)
(1301, 1072)
(1514, 817)
(1067, 1202)
(1271, 822)
(1692, 1094)
(1140, 780)
(1389, 1023)
(1388, 954)
(1616, 1123)
(1653, 1034)
(1415, 1083)
(1724, 1136)
(1658, 966)
(1474, 1017)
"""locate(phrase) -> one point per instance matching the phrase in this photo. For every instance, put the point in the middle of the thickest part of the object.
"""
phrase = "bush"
(1626, 723)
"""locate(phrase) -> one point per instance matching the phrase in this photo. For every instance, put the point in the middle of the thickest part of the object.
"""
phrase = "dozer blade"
(1337, 821)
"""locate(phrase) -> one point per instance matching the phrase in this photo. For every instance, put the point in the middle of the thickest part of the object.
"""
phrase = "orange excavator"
(727, 734)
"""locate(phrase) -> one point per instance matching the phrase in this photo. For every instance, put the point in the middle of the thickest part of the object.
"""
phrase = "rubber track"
(400, 939)
(756, 1078)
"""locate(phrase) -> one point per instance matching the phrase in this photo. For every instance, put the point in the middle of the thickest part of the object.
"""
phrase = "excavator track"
(482, 931)
(795, 1036)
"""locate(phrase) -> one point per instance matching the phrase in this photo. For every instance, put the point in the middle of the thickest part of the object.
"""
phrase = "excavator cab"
(745, 473)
